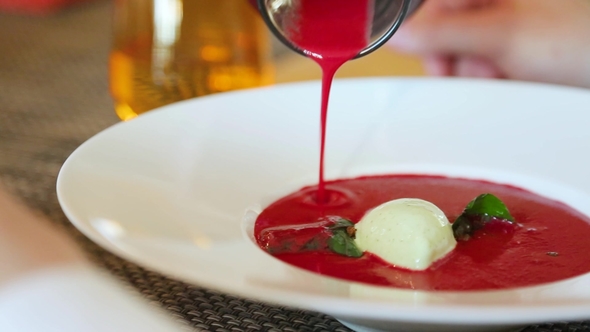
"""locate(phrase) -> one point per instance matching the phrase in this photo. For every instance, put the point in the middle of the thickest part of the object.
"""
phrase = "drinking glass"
(170, 50)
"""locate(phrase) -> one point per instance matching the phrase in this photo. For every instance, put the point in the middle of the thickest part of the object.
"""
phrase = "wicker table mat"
(53, 96)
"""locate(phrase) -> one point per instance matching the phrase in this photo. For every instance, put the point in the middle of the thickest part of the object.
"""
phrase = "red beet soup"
(550, 243)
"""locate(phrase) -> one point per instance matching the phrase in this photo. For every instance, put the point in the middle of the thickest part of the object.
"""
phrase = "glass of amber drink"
(170, 50)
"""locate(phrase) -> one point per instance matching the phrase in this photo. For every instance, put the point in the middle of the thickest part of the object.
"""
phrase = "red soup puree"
(550, 243)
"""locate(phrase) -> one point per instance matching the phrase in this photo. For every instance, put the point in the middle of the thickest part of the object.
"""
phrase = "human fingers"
(470, 66)
(434, 6)
(473, 32)
(460, 4)
(438, 65)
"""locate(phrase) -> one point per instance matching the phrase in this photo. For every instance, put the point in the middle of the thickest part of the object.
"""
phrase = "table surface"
(54, 95)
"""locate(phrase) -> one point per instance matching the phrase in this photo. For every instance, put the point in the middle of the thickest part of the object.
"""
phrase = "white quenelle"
(410, 233)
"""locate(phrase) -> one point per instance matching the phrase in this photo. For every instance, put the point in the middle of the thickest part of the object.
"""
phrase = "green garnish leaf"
(489, 206)
(343, 244)
(341, 224)
(462, 228)
(483, 209)
(312, 245)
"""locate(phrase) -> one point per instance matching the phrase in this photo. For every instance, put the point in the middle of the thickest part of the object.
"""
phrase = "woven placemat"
(54, 96)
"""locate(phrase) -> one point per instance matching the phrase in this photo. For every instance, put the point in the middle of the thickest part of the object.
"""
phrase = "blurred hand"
(535, 40)
(28, 243)
(43, 271)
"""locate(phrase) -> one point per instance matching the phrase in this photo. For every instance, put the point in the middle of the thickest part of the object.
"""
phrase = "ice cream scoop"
(409, 233)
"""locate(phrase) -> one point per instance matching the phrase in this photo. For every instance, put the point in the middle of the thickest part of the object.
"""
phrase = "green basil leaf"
(462, 228)
(341, 223)
(341, 243)
(313, 244)
(488, 205)
(477, 213)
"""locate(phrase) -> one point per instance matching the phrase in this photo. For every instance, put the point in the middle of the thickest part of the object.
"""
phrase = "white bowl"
(176, 190)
